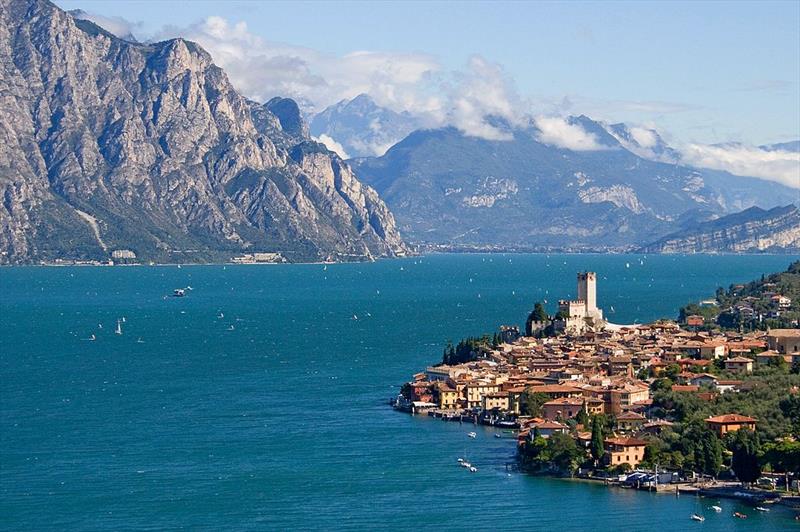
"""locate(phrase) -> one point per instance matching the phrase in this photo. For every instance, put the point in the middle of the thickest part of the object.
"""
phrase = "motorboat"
(762, 509)
(739, 515)
(178, 292)
(716, 508)
(472, 434)
(696, 517)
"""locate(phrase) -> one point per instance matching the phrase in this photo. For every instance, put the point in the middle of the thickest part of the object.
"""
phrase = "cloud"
(119, 26)
(413, 82)
(332, 145)
(478, 95)
(557, 131)
(779, 165)
(261, 69)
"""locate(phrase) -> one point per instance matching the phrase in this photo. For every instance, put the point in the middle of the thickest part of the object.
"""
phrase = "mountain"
(644, 142)
(753, 230)
(362, 127)
(792, 146)
(452, 190)
(111, 144)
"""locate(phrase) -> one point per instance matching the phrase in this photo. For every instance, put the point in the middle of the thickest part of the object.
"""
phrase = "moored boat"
(696, 517)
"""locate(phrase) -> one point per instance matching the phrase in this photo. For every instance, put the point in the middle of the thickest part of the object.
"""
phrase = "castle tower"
(587, 291)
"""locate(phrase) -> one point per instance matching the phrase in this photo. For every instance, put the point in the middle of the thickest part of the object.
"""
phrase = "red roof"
(626, 442)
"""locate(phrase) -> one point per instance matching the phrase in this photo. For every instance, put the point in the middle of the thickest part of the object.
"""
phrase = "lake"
(259, 400)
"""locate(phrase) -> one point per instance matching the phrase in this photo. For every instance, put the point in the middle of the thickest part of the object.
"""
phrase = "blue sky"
(700, 72)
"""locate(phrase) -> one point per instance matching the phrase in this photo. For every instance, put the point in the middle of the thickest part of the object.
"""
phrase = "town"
(669, 402)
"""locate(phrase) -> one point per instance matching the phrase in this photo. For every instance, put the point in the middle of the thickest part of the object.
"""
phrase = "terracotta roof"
(731, 418)
(784, 333)
(626, 442)
(629, 415)
(739, 360)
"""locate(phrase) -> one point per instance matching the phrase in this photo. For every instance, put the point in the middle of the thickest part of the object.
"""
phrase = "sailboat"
(118, 330)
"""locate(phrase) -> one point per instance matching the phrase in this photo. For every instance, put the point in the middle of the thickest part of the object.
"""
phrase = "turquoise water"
(282, 422)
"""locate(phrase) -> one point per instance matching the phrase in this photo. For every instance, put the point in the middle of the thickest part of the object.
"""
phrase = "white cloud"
(557, 131)
(646, 138)
(413, 82)
(117, 25)
(261, 69)
(780, 166)
(332, 145)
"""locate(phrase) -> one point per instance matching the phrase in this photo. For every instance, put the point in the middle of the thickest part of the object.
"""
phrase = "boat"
(466, 464)
(92, 338)
(472, 434)
(762, 509)
(497, 436)
(739, 515)
(140, 341)
(716, 508)
(460, 460)
(178, 292)
(473, 469)
(231, 328)
(118, 330)
(696, 517)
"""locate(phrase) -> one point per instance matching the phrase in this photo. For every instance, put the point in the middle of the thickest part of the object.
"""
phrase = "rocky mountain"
(453, 190)
(362, 127)
(111, 144)
(751, 231)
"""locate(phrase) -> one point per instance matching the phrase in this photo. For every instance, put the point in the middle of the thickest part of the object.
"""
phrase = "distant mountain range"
(753, 230)
(448, 189)
(112, 144)
(361, 127)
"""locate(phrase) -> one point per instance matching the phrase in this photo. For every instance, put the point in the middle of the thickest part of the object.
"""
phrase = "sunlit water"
(258, 401)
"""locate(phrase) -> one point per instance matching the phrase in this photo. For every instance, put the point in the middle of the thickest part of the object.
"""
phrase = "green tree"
(563, 451)
(745, 445)
(531, 403)
(790, 407)
(597, 439)
(538, 314)
(583, 417)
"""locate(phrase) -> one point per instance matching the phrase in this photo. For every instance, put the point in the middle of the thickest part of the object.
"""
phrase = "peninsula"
(658, 406)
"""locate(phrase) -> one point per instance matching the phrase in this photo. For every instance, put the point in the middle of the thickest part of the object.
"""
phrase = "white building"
(582, 314)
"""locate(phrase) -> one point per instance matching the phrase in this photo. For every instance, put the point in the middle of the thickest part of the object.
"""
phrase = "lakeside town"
(674, 406)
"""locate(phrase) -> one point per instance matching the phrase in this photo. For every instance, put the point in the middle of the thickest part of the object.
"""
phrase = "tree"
(563, 451)
(744, 444)
(531, 403)
(582, 418)
(791, 409)
(537, 315)
(597, 439)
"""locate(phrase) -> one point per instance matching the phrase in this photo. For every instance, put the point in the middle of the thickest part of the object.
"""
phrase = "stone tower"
(587, 291)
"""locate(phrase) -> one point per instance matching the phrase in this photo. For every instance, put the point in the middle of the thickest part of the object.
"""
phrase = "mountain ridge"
(155, 144)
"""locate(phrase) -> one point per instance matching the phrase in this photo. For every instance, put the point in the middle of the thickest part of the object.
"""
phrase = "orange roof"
(626, 442)
(731, 419)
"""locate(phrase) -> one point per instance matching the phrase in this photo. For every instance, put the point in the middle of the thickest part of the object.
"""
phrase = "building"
(786, 341)
(739, 364)
(448, 397)
(580, 315)
(545, 429)
(563, 408)
(495, 400)
(624, 451)
(123, 254)
(729, 423)
(630, 421)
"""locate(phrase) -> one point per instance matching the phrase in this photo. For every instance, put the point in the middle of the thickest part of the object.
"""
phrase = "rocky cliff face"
(753, 230)
(110, 144)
